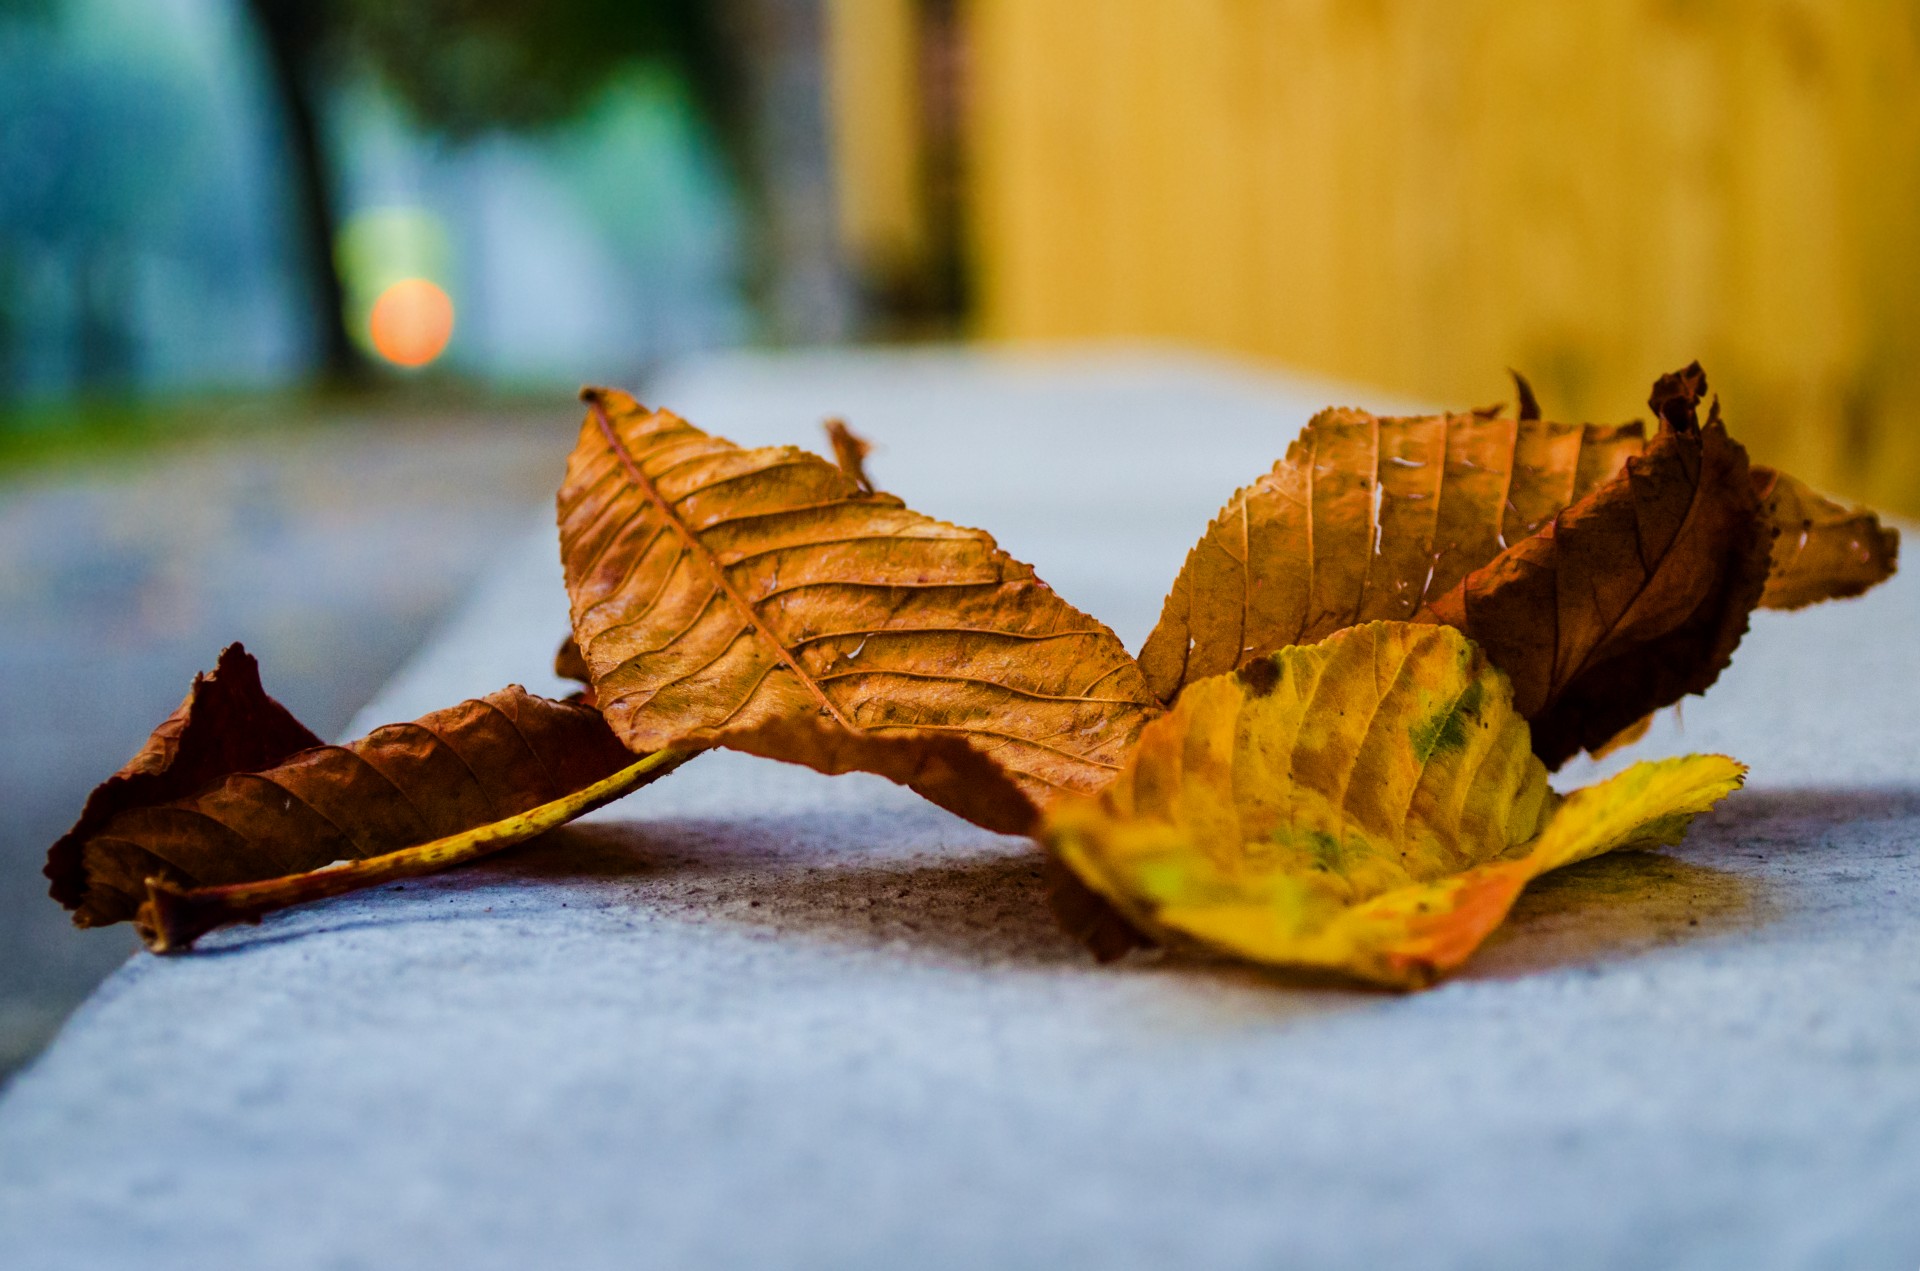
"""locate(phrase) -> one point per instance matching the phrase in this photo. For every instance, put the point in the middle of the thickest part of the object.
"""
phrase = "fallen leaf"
(1368, 518)
(720, 593)
(1633, 597)
(1375, 518)
(231, 789)
(1822, 550)
(226, 724)
(1369, 805)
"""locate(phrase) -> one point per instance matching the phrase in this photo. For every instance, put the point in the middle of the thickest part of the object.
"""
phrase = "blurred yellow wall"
(873, 55)
(1420, 193)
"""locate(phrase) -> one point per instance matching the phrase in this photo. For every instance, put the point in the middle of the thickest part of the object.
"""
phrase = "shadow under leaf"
(1811, 813)
(1618, 906)
(923, 884)
(982, 901)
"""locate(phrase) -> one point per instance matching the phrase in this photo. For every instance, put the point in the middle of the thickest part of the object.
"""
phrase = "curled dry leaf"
(1633, 597)
(1822, 550)
(719, 594)
(226, 724)
(1371, 518)
(231, 790)
(1369, 805)
(1368, 518)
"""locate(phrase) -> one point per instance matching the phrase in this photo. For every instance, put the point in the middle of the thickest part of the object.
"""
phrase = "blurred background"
(294, 293)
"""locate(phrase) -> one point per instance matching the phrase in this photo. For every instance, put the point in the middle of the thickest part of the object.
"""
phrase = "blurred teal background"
(156, 236)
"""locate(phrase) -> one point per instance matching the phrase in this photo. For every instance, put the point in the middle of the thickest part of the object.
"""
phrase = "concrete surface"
(755, 1017)
(332, 550)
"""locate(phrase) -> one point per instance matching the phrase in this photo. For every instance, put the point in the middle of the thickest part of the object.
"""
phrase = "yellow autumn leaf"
(1369, 805)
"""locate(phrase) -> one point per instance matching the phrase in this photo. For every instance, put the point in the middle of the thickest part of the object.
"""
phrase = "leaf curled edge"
(1368, 806)
(1822, 550)
(1636, 595)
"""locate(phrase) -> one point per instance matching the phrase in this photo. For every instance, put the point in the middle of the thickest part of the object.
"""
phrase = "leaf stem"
(173, 917)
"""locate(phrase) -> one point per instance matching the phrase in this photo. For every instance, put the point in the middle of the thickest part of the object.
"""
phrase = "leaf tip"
(1529, 404)
(850, 451)
(1675, 399)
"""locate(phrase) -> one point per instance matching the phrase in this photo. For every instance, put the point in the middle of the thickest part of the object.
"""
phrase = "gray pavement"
(330, 549)
(755, 1017)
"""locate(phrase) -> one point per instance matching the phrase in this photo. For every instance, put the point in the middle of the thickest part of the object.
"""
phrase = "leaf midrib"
(701, 553)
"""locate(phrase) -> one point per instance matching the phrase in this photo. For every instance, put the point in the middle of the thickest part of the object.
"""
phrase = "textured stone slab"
(754, 1017)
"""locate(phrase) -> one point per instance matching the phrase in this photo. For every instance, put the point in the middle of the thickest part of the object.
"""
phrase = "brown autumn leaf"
(1633, 597)
(231, 789)
(226, 724)
(1822, 550)
(1369, 518)
(720, 593)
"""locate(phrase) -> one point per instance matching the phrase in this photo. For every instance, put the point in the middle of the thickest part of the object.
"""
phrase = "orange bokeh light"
(411, 322)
